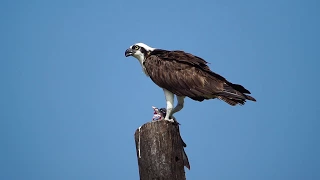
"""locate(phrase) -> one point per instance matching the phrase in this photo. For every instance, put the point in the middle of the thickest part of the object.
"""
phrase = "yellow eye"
(135, 47)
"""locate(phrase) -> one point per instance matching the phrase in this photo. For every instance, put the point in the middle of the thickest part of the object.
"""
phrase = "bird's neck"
(141, 59)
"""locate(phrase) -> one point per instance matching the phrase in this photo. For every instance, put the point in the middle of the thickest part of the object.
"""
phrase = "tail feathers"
(230, 101)
(234, 98)
(239, 88)
(234, 94)
(250, 98)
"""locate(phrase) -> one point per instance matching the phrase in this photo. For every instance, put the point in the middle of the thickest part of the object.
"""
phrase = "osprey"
(185, 75)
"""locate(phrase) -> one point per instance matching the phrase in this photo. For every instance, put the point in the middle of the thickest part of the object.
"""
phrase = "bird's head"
(139, 51)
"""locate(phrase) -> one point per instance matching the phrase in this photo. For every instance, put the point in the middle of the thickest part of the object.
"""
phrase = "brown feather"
(187, 75)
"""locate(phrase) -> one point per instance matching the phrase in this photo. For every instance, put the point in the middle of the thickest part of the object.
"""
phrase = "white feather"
(140, 56)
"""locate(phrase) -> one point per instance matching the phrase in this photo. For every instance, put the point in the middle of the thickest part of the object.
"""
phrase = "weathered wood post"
(160, 151)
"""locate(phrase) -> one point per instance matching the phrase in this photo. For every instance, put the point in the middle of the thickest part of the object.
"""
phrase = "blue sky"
(71, 102)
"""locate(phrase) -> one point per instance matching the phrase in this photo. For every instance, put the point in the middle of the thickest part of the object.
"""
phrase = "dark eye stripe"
(143, 50)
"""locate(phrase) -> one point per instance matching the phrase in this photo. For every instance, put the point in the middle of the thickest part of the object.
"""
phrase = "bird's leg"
(170, 100)
(179, 105)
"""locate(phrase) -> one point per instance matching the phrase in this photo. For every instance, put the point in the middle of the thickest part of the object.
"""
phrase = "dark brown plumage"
(187, 75)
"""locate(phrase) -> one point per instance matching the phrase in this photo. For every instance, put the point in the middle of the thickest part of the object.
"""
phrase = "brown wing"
(187, 75)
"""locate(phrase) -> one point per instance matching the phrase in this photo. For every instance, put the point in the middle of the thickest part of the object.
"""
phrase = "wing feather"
(187, 75)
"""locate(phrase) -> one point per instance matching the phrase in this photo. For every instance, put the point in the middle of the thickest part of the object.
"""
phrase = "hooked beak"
(128, 52)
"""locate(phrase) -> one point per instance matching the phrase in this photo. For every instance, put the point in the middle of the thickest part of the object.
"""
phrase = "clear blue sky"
(71, 102)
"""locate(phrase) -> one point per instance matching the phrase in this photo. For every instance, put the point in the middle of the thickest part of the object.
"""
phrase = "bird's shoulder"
(177, 56)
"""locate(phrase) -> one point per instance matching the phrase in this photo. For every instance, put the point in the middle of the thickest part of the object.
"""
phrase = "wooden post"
(160, 151)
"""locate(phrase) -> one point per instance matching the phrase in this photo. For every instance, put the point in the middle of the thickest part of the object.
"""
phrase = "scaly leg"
(170, 100)
(179, 105)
